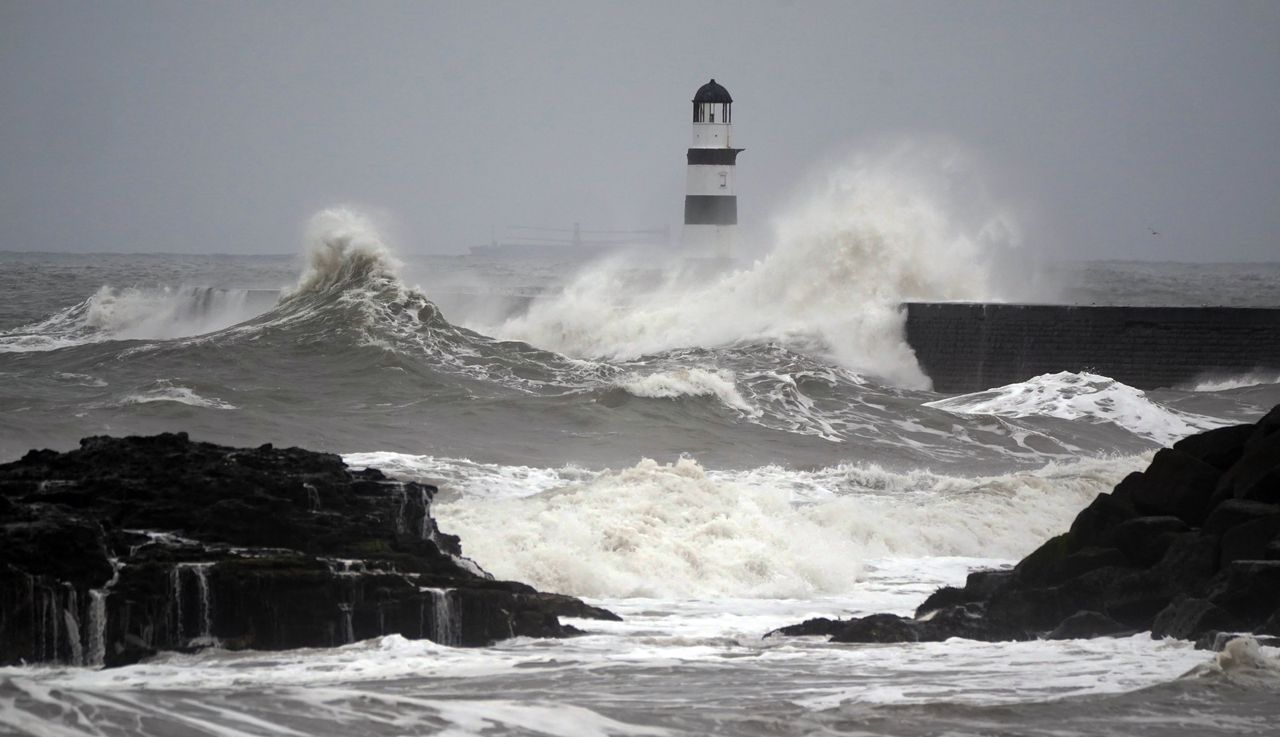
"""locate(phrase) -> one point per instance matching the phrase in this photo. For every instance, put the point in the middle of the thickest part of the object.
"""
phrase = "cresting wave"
(1240, 381)
(691, 382)
(160, 313)
(679, 530)
(351, 317)
(163, 391)
(877, 232)
(1072, 396)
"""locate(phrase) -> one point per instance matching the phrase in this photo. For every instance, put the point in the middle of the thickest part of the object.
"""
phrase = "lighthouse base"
(709, 241)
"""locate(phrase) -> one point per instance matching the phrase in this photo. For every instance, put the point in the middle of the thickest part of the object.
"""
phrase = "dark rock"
(882, 628)
(1232, 512)
(1271, 626)
(1249, 541)
(979, 586)
(1188, 547)
(969, 621)
(1042, 564)
(1248, 589)
(126, 547)
(945, 597)
(1220, 448)
(1254, 476)
(1095, 523)
(1265, 488)
(986, 581)
(1268, 428)
(817, 626)
(1190, 561)
(1085, 561)
(1145, 540)
(1088, 624)
(1189, 619)
(1176, 484)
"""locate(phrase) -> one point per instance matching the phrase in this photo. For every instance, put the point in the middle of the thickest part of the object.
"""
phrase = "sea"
(712, 450)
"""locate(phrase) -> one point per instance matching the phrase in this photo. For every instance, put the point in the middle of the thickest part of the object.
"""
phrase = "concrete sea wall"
(966, 347)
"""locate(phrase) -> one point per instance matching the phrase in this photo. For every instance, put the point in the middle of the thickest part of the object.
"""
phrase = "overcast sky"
(220, 127)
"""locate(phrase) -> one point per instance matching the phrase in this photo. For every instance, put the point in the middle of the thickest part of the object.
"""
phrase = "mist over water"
(871, 235)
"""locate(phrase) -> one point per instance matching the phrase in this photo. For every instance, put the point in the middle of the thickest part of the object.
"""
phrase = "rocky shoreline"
(129, 546)
(1188, 548)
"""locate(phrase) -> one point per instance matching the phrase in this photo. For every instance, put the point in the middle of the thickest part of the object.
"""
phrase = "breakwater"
(966, 347)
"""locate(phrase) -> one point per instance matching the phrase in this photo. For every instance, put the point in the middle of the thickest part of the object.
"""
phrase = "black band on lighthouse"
(713, 156)
(704, 209)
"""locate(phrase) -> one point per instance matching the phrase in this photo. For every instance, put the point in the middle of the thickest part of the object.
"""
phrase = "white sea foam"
(680, 530)
(344, 248)
(1244, 662)
(1238, 381)
(159, 313)
(1082, 396)
(877, 232)
(691, 382)
(178, 394)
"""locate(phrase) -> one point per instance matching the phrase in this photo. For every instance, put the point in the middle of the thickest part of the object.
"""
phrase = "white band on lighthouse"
(710, 203)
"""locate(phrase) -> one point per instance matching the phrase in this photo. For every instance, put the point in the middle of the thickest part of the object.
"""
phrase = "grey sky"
(219, 127)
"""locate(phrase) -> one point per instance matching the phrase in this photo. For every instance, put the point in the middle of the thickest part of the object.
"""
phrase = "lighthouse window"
(724, 180)
(713, 117)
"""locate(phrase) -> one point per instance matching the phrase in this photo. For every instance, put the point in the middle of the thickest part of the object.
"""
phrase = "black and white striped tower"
(710, 205)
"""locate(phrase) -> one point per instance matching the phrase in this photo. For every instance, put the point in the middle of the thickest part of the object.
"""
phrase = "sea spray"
(875, 233)
(1082, 396)
(133, 313)
(344, 248)
(679, 530)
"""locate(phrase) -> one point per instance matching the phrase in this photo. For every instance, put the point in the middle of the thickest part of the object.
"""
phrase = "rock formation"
(1188, 548)
(128, 546)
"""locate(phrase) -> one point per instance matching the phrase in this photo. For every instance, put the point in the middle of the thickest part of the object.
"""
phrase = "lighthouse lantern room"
(710, 205)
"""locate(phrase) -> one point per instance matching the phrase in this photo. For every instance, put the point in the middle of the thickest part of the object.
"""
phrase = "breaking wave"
(870, 238)
(140, 314)
(691, 382)
(165, 392)
(1238, 381)
(680, 530)
(1241, 662)
(1082, 396)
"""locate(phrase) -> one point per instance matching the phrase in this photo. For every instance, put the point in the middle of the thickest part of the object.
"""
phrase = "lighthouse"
(710, 205)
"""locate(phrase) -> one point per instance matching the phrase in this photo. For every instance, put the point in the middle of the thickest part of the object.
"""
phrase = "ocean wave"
(679, 530)
(176, 394)
(1237, 381)
(1242, 662)
(1082, 396)
(690, 382)
(869, 238)
(160, 313)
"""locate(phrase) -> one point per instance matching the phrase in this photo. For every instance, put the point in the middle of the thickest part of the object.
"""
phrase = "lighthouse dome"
(712, 92)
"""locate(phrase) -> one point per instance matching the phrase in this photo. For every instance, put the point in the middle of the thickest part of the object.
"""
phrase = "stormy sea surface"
(709, 455)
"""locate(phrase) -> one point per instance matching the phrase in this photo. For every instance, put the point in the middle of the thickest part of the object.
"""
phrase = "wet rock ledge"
(128, 546)
(1189, 548)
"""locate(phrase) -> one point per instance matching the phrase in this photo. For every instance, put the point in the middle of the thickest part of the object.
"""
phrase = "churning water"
(709, 456)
